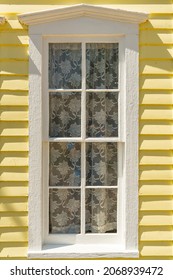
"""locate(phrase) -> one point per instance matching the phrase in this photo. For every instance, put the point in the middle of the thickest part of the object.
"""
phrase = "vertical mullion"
(83, 135)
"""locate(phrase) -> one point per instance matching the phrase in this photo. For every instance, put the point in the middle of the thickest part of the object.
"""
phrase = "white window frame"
(86, 20)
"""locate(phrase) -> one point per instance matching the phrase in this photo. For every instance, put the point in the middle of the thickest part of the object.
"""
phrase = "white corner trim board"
(2, 20)
(82, 10)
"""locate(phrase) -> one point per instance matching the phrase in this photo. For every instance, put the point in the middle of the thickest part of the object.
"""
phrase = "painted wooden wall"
(155, 125)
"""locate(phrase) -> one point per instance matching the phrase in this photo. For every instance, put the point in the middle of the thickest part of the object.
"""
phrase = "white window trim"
(62, 22)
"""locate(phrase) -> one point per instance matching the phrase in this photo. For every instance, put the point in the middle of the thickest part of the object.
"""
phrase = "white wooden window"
(82, 24)
(83, 150)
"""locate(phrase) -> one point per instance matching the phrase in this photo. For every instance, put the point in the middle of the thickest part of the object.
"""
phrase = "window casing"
(80, 21)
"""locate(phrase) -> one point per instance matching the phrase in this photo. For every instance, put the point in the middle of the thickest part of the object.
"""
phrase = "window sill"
(82, 251)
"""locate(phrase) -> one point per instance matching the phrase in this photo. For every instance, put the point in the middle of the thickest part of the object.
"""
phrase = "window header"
(82, 10)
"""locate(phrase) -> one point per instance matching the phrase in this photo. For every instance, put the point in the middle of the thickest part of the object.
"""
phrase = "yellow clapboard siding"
(157, 233)
(156, 128)
(156, 203)
(150, 37)
(162, 188)
(156, 82)
(14, 68)
(13, 219)
(155, 142)
(156, 52)
(156, 113)
(14, 38)
(13, 128)
(155, 218)
(14, 98)
(156, 158)
(13, 235)
(14, 144)
(14, 113)
(156, 249)
(162, 97)
(12, 24)
(155, 173)
(13, 159)
(156, 67)
(159, 22)
(17, 204)
(13, 53)
(14, 83)
(13, 174)
(13, 191)
(13, 250)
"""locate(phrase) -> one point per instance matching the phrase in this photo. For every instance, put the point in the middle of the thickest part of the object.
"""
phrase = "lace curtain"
(65, 121)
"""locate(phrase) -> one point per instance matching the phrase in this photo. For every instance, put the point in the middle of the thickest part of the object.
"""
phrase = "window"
(83, 132)
(84, 149)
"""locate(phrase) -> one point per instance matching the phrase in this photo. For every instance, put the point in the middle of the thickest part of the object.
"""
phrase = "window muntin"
(83, 137)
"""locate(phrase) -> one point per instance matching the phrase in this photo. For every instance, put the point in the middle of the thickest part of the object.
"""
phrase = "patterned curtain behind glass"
(65, 121)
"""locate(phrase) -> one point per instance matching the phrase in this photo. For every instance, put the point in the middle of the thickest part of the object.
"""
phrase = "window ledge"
(83, 251)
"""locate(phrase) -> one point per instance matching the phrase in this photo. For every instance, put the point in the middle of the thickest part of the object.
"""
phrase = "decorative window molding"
(67, 25)
(2, 20)
(82, 10)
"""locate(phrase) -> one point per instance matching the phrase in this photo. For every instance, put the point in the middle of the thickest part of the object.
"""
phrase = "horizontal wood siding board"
(157, 112)
(162, 188)
(19, 143)
(156, 67)
(14, 98)
(13, 250)
(156, 248)
(156, 82)
(156, 128)
(14, 128)
(155, 218)
(162, 22)
(14, 83)
(156, 142)
(13, 53)
(155, 158)
(155, 37)
(14, 67)
(156, 233)
(13, 204)
(14, 219)
(13, 191)
(16, 38)
(14, 158)
(155, 53)
(156, 203)
(162, 97)
(13, 234)
(14, 113)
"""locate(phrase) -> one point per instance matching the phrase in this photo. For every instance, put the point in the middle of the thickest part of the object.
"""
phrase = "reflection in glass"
(102, 114)
(101, 164)
(102, 65)
(101, 210)
(64, 211)
(64, 66)
(65, 114)
(65, 164)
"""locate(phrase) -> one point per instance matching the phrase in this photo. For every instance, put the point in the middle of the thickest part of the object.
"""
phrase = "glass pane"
(65, 114)
(65, 66)
(101, 164)
(65, 164)
(101, 210)
(64, 211)
(102, 66)
(102, 114)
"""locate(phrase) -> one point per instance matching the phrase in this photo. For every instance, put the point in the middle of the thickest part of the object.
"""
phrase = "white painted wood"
(87, 28)
(82, 10)
(35, 143)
